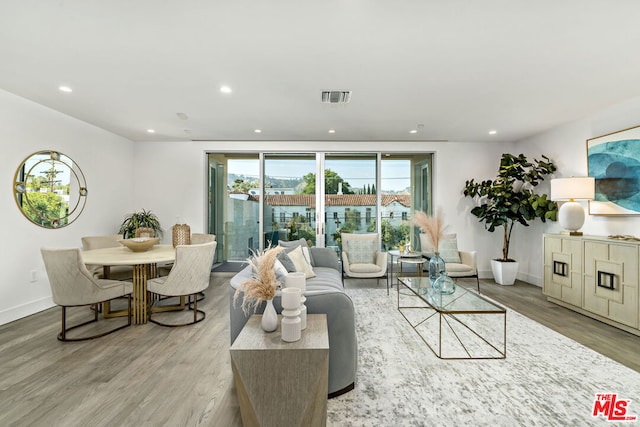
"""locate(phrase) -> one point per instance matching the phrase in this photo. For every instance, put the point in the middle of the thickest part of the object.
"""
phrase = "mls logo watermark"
(612, 408)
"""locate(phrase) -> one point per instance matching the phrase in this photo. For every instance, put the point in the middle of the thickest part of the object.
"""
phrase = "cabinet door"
(623, 307)
(563, 269)
(551, 287)
(594, 253)
(611, 281)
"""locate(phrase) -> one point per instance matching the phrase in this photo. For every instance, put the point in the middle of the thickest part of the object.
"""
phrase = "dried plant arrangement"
(432, 226)
(263, 283)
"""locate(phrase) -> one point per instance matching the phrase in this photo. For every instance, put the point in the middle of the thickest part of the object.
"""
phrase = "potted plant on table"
(511, 199)
(142, 219)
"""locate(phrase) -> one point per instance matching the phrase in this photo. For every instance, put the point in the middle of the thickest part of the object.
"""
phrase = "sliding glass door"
(290, 189)
(259, 199)
(350, 196)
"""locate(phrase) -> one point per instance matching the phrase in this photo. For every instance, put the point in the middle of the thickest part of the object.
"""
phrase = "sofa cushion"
(286, 262)
(281, 271)
(361, 251)
(289, 246)
(301, 263)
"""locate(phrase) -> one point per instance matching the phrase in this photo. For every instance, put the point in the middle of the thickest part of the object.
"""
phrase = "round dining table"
(145, 266)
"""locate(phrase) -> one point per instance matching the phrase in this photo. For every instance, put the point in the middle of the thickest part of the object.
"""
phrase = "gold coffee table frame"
(448, 314)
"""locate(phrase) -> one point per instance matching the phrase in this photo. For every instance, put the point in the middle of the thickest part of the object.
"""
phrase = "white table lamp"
(571, 213)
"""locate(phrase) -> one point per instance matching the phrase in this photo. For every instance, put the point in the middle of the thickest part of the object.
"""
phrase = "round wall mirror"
(50, 189)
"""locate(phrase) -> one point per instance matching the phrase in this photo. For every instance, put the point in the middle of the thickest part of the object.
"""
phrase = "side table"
(412, 257)
(282, 383)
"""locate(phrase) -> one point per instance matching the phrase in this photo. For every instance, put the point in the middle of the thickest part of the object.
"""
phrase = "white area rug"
(546, 379)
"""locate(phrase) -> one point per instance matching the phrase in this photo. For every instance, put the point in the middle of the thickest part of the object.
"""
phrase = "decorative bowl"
(140, 244)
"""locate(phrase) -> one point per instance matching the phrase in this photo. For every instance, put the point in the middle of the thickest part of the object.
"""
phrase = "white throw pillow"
(301, 263)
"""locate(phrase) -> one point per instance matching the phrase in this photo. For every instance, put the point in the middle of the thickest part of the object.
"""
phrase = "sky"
(395, 173)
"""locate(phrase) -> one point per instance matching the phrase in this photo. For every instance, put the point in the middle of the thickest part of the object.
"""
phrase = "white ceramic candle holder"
(291, 323)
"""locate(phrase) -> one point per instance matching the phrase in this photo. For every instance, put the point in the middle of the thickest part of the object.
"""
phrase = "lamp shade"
(573, 188)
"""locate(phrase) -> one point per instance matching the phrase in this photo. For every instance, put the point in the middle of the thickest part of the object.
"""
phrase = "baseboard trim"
(15, 313)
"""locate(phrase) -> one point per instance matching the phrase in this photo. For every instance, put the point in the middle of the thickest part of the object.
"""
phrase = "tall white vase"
(269, 317)
(291, 325)
(298, 280)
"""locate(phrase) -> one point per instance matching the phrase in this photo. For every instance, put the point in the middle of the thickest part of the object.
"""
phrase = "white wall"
(106, 161)
(171, 181)
(567, 146)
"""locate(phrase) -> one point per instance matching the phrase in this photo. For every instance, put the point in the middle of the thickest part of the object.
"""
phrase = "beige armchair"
(116, 272)
(457, 263)
(189, 275)
(73, 285)
(361, 257)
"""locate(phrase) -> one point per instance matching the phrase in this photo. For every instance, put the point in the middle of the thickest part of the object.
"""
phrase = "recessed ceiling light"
(413, 131)
(66, 89)
(225, 89)
(493, 132)
(258, 130)
(332, 131)
(151, 131)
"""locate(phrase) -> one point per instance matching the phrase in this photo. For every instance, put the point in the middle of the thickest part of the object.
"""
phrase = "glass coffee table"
(463, 325)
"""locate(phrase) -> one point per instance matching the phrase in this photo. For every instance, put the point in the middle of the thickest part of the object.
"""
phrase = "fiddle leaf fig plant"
(136, 220)
(510, 198)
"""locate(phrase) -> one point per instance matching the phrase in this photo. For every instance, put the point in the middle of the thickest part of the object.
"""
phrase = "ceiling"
(449, 69)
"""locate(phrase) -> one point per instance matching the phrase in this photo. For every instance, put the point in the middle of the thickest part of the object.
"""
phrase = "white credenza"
(595, 276)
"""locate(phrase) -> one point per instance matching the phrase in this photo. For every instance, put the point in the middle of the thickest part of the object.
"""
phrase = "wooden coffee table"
(282, 383)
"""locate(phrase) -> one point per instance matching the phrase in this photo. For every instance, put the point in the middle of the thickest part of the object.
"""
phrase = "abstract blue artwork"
(614, 161)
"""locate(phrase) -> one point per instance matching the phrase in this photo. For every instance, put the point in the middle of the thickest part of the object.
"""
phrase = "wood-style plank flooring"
(152, 375)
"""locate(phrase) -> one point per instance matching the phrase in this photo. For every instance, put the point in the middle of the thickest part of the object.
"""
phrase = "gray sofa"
(325, 294)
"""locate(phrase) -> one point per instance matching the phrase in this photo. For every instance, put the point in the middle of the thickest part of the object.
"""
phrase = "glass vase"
(436, 266)
(445, 284)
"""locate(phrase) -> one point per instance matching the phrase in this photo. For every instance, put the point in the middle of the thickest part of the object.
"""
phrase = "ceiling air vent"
(336, 96)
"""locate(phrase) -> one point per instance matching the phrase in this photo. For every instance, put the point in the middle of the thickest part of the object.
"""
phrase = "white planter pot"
(504, 273)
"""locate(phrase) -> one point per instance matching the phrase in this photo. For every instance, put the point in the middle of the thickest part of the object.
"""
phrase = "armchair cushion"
(448, 249)
(361, 251)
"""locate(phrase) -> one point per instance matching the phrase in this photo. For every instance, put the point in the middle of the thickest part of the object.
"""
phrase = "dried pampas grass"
(263, 283)
(432, 226)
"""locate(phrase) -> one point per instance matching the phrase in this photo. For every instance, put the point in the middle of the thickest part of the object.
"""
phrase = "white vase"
(269, 317)
(504, 273)
(291, 322)
(298, 280)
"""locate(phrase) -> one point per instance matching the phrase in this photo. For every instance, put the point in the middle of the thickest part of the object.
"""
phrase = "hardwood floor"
(528, 300)
(152, 375)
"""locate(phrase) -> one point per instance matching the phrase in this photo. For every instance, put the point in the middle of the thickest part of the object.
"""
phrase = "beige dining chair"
(73, 285)
(197, 238)
(189, 276)
(116, 272)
